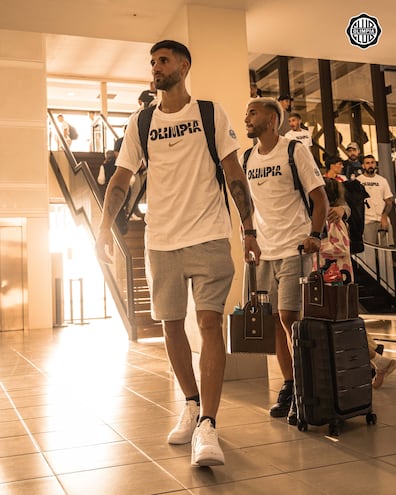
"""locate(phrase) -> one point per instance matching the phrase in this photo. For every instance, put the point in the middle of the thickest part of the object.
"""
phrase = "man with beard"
(282, 224)
(379, 204)
(187, 236)
(353, 165)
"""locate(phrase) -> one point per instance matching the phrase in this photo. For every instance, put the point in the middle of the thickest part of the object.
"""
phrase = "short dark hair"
(331, 160)
(369, 156)
(295, 114)
(175, 46)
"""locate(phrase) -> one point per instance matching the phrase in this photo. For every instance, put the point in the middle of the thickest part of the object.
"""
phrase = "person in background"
(65, 129)
(353, 165)
(334, 168)
(282, 224)
(255, 92)
(187, 237)
(148, 96)
(296, 131)
(95, 138)
(336, 245)
(285, 102)
(378, 205)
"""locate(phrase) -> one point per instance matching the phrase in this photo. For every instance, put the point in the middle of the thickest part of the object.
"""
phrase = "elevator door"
(12, 269)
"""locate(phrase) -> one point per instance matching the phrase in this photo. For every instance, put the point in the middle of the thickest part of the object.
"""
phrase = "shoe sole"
(207, 462)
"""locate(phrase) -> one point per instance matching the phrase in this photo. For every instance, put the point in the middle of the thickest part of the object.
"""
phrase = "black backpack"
(73, 134)
(206, 109)
(355, 196)
(296, 179)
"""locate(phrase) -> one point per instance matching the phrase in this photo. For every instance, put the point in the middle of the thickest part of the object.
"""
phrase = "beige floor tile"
(357, 478)
(139, 479)
(239, 465)
(8, 415)
(374, 441)
(62, 422)
(93, 457)
(259, 433)
(79, 436)
(12, 429)
(10, 446)
(23, 467)
(281, 484)
(39, 486)
(304, 454)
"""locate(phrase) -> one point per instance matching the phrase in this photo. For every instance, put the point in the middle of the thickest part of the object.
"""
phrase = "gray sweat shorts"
(281, 279)
(208, 265)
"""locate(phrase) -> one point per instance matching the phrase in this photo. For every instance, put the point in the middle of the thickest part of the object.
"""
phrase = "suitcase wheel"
(371, 419)
(302, 425)
(334, 429)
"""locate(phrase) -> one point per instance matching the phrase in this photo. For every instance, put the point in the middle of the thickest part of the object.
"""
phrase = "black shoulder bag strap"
(143, 123)
(296, 179)
(246, 157)
(206, 109)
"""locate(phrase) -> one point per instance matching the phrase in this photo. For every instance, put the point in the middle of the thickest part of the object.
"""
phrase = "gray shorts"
(281, 279)
(208, 265)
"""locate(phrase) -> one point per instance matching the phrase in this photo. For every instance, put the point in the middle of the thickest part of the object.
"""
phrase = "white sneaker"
(206, 450)
(381, 374)
(185, 427)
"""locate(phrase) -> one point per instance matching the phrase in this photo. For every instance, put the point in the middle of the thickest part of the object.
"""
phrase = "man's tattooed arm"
(116, 197)
(241, 196)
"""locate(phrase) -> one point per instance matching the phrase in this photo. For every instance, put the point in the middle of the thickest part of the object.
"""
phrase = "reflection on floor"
(84, 411)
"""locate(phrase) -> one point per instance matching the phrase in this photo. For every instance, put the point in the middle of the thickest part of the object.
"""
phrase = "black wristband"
(252, 232)
(316, 235)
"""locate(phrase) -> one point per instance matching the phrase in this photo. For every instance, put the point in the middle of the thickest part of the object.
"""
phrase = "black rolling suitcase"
(331, 363)
(332, 373)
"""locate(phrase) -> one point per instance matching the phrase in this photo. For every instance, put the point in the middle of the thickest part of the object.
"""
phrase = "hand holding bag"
(252, 329)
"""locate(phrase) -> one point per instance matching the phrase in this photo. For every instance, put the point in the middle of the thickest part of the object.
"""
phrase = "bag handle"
(252, 281)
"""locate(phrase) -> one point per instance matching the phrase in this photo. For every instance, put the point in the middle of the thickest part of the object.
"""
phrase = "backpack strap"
(144, 121)
(206, 109)
(246, 157)
(296, 179)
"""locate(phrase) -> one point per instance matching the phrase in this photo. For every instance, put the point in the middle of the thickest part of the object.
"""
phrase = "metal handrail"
(127, 313)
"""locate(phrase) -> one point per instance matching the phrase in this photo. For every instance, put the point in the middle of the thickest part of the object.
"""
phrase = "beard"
(370, 171)
(165, 83)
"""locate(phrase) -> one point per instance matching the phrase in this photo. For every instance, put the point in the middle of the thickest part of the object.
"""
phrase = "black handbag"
(252, 329)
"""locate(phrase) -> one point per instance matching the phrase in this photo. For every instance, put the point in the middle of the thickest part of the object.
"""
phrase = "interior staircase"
(134, 238)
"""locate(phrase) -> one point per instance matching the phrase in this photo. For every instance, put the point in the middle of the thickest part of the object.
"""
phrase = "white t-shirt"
(185, 206)
(303, 136)
(379, 190)
(280, 217)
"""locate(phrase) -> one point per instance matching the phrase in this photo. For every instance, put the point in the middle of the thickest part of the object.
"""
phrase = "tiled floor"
(84, 411)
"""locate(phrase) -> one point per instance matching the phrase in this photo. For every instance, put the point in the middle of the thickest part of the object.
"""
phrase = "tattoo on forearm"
(116, 200)
(241, 198)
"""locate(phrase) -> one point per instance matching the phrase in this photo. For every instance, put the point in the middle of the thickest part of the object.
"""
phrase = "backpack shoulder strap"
(246, 157)
(206, 109)
(143, 122)
(296, 179)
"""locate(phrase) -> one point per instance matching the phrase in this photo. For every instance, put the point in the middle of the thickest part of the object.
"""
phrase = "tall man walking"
(282, 223)
(187, 234)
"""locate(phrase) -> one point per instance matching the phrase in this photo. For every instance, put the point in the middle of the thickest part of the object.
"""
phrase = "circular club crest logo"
(363, 31)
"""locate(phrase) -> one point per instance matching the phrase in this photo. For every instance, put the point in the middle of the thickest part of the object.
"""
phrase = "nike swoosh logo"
(173, 144)
(260, 183)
